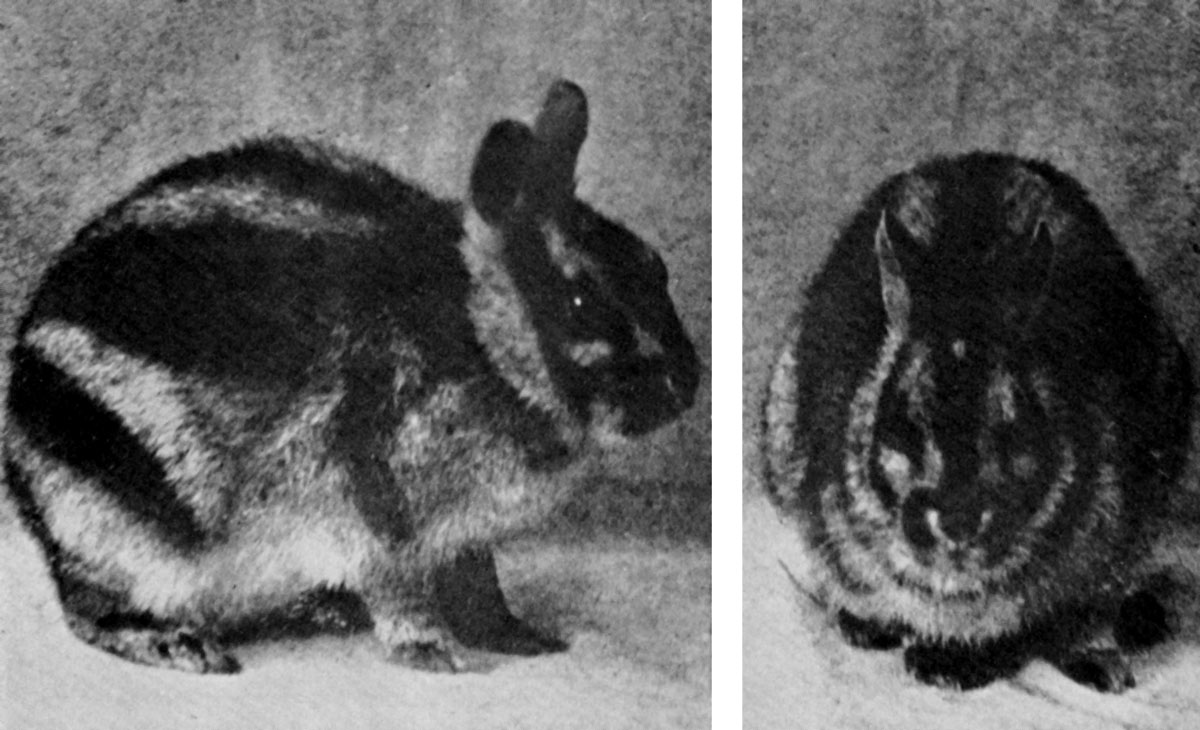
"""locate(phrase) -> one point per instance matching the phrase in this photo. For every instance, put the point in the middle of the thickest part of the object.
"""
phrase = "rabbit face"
(959, 442)
(970, 457)
(614, 344)
(603, 344)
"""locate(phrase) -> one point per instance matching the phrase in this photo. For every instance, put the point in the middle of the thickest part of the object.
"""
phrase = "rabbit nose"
(958, 526)
(927, 523)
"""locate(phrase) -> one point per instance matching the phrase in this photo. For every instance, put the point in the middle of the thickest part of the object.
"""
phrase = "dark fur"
(1008, 260)
(249, 284)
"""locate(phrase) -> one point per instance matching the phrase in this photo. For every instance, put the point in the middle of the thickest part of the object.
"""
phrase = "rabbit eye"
(579, 304)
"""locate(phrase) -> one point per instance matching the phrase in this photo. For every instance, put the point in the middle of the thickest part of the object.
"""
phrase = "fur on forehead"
(974, 203)
(603, 242)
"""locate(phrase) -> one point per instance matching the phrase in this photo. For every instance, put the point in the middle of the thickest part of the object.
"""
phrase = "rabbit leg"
(146, 640)
(1099, 660)
(956, 664)
(1142, 620)
(1104, 668)
(472, 603)
(98, 617)
(404, 609)
(1098, 656)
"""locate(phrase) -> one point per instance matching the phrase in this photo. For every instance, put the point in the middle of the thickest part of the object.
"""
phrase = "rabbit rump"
(976, 424)
(277, 380)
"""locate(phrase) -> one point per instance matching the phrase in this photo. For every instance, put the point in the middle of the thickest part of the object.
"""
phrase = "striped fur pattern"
(277, 372)
(978, 417)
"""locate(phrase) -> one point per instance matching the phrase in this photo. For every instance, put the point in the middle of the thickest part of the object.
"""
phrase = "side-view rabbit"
(976, 424)
(277, 372)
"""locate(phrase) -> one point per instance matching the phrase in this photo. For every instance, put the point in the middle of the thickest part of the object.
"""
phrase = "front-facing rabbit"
(976, 424)
(277, 372)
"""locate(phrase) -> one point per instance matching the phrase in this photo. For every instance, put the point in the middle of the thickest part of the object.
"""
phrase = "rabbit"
(976, 423)
(278, 381)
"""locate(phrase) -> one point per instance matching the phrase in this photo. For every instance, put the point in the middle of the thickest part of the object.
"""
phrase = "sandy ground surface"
(837, 97)
(96, 96)
(798, 672)
(635, 610)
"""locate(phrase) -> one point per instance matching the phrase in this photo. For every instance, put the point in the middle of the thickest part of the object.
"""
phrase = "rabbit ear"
(1039, 259)
(896, 300)
(1029, 276)
(515, 160)
(501, 168)
(560, 129)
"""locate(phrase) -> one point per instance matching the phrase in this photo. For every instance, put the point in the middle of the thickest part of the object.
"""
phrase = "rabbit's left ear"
(501, 167)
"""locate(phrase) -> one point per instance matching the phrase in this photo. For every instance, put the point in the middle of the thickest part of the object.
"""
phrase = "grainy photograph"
(355, 364)
(971, 307)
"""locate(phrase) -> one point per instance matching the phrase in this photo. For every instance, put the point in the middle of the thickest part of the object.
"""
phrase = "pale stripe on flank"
(148, 399)
(785, 459)
(179, 207)
(273, 553)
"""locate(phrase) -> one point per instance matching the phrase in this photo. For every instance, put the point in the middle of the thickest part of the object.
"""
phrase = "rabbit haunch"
(979, 416)
(280, 368)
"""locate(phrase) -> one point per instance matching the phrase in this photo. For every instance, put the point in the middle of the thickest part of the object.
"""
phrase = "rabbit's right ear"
(560, 129)
(896, 300)
(501, 168)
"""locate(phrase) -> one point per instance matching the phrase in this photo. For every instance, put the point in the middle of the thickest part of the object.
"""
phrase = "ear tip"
(564, 91)
(565, 112)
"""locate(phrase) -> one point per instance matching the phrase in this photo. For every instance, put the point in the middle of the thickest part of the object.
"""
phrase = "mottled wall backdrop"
(94, 96)
(840, 95)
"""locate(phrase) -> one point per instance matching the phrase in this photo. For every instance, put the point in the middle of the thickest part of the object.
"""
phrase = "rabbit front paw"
(420, 641)
(472, 603)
